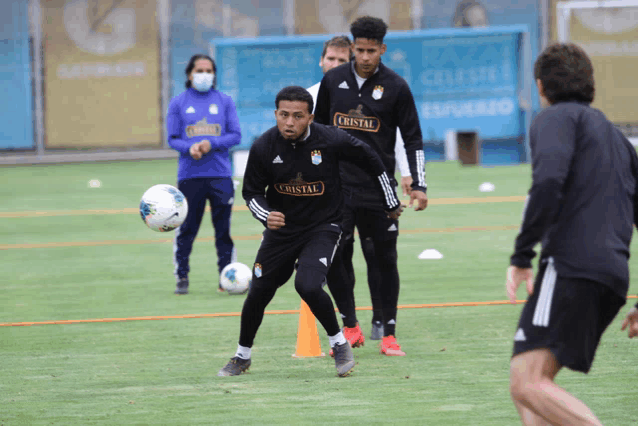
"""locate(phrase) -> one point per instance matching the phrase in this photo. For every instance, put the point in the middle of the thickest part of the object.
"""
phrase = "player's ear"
(539, 85)
(384, 47)
(312, 118)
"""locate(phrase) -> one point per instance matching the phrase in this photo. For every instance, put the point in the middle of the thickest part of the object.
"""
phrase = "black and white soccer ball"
(236, 278)
(163, 208)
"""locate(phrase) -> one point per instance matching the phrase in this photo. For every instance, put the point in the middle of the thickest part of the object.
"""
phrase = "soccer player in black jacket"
(581, 207)
(292, 186)
(369, 101)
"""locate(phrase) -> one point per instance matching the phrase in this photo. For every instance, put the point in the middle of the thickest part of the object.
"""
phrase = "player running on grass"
(582, 206)
(292, 186)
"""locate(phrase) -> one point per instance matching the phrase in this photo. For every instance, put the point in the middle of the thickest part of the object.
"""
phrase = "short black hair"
(295, 93)
(191, 65)
(341, 42)
(369, 27)
(566, 73)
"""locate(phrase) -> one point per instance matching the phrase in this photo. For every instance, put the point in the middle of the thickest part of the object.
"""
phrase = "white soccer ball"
(163, 208)
(236, 278)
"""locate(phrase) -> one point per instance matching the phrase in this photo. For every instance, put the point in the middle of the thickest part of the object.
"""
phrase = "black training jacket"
(373, 114)
(301, 180)
(583, 201)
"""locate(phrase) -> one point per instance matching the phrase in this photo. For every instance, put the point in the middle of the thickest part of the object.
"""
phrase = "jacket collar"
(354, 72)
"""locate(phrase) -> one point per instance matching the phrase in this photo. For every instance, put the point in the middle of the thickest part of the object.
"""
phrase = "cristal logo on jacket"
(355, 119)
(300, 188)
(202, 128)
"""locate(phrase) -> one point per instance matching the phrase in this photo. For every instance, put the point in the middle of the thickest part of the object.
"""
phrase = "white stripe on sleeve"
(420, 167)
(259, 211)
(390, 199)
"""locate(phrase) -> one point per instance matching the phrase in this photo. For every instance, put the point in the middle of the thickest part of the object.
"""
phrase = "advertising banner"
(610, 37)
(102, 77)
(464, 79)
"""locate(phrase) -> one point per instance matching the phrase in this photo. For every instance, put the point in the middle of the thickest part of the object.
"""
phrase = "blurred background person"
(470, 13)
(202, 125)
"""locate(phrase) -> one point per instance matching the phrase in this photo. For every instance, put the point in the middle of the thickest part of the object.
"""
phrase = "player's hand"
(275, 220)
(195, 152)
(394, 214)
(204, 146)
(421, 200)
(406, 185)
(515, 276)
(632, 322)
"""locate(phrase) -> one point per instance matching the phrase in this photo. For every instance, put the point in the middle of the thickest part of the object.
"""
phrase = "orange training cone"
(308, 343)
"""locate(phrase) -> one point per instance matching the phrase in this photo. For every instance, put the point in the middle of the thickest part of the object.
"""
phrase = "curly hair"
(369, 27)
(295, 93)
(566, 73)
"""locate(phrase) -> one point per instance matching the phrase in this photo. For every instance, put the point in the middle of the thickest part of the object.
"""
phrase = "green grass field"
(164, 371)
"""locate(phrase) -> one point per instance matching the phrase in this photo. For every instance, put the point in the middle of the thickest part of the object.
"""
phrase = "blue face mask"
(202, 81)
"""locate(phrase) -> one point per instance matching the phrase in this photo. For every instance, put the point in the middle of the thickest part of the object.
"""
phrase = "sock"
(243, 352)
(337, 339)
(389, 328)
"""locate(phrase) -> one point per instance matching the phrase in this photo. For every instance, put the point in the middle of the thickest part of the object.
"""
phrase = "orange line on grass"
(236, 314)
(235, 237)
(131, 210)
(276, 312)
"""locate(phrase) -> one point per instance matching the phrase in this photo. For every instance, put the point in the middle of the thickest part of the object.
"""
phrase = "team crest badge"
(213, 109)
(377, 93)
(316, 157)
(257, 270)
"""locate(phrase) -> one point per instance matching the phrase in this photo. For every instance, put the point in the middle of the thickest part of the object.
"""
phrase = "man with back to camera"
(292, 186)
(370, 101)
(582, 206)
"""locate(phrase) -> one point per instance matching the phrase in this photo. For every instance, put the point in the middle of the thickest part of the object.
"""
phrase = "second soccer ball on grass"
(236, 278)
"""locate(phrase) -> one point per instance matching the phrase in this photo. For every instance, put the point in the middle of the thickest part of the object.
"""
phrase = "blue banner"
(16, 112)
(462, 79)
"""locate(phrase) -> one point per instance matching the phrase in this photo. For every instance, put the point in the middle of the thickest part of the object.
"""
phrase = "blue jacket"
(194, 116)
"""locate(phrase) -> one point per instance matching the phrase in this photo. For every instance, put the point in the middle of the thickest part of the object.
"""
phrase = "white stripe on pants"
(544, 302)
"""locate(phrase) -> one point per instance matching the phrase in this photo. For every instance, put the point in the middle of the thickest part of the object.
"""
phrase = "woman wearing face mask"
(202, 125)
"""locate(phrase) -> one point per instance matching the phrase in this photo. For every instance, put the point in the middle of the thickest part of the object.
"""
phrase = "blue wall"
(16, 108)
(462, 79)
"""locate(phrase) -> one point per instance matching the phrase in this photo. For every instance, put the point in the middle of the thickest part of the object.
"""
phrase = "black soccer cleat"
(235, 367)
(344, 358)
(182, 286)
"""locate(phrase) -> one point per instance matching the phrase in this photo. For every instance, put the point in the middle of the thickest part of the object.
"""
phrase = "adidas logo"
(344, 85)
(392, 227)
(520, 336)
(324, 261)
(393, 322)
(277, 160)
(190, 110)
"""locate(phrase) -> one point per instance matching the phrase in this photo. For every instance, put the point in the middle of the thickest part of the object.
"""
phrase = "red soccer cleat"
(390, 347)
(354, 335)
